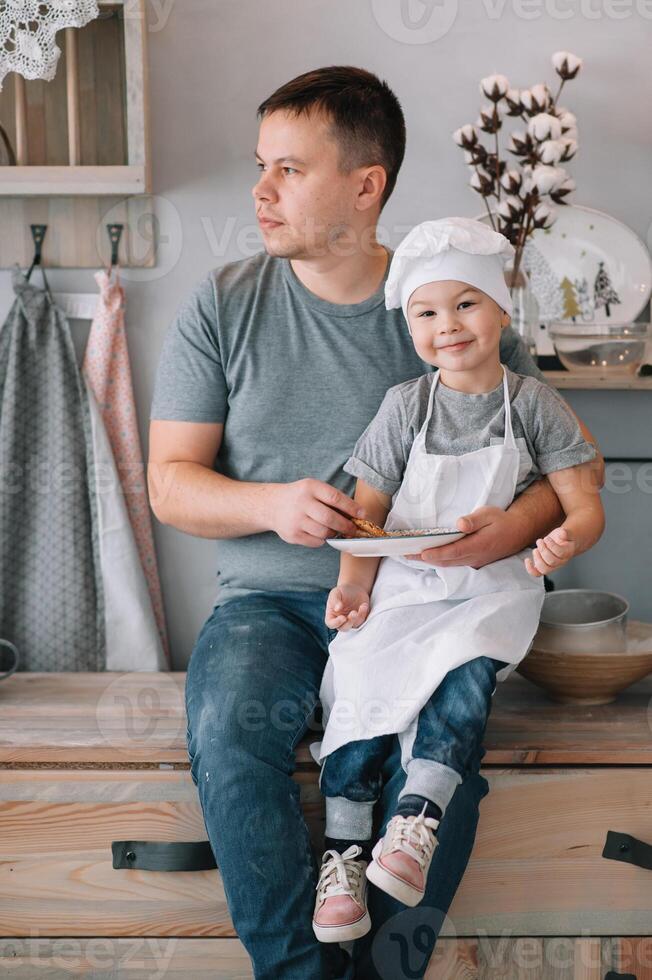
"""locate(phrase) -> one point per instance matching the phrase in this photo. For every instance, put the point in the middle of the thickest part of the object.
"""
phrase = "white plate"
(572, 250)
(407, 544)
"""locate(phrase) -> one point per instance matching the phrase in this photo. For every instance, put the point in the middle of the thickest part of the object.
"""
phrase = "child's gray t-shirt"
(547, 433)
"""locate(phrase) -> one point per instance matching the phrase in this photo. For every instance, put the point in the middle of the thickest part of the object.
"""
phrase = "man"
(270, 371)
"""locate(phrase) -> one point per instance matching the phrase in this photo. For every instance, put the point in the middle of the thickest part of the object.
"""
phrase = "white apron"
(424, 621)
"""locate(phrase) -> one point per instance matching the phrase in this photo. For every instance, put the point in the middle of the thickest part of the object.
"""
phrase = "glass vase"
(525, 313)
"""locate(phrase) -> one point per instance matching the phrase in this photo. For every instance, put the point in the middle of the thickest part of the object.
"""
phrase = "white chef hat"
(463, 249)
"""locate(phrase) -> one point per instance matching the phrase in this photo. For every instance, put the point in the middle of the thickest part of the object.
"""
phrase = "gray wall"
(213, 61)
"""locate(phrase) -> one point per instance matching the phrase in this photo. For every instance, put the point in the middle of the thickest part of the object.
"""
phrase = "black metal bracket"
(115, 232)
(623, 847)
(38, 234)
(150, 855)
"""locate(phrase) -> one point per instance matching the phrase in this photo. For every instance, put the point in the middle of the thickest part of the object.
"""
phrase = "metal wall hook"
(115, 233)
(38, 234)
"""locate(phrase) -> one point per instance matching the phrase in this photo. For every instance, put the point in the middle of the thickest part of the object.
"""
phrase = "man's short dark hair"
(365, 116)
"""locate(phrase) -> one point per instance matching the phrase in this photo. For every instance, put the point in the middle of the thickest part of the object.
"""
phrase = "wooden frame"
(77, 202)
(134, 178)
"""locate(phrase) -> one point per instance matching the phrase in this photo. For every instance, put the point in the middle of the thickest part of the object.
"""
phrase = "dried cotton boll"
(566, 65)
(570, 149)
(489, 120)
(513, 100)
(545, 179)
(482, 182)
(567, 186)
(544, 216)
(494, 87)
(511, 181)
(536, 99)
(544, 127)
(551, 151)
(518, 144)
(567, 119)
(510, 208)
(466, 136)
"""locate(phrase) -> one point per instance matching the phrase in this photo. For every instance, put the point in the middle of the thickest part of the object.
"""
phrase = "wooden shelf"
(73, 181)
(569, 379)
(81, 147)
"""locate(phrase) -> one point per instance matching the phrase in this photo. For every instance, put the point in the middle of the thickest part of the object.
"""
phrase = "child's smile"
(456, 327)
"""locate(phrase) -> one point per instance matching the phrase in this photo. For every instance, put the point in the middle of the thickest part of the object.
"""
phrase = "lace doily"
(27, 34)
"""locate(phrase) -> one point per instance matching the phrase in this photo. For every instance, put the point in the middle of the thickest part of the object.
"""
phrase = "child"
(420, 646)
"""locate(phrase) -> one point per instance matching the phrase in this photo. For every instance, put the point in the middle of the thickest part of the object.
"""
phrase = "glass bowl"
(600, 348)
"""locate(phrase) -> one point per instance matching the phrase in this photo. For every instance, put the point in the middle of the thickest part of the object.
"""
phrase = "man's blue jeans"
(251, 688)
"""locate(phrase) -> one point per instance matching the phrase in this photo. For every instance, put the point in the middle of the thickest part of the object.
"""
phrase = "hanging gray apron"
(50, 586)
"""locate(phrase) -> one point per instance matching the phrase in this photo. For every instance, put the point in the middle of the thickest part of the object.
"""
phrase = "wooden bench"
(88, 759)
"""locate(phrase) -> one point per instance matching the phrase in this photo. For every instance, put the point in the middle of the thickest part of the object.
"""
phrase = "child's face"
(443, 315)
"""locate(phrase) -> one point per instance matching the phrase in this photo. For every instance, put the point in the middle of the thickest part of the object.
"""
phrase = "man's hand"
(490, 534)
(551, 552)
(347, 606)
(308, 511)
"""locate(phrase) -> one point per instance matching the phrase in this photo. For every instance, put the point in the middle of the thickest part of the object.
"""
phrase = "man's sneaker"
(401, 859)
(341, 905)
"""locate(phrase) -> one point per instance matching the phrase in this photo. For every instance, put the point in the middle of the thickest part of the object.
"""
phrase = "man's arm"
(186, 492)
(492, 533)
(597, 464)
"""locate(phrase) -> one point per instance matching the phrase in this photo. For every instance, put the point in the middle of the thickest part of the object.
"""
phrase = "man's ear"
(373, 184)
(505, 319)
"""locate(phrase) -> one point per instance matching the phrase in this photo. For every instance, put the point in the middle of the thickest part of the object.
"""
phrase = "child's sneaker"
(341, 905)
(401, 859)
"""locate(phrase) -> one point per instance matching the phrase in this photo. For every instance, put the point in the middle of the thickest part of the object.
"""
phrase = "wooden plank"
(140, 717)
(572, 379)
(20, 146)
(72, 180)
(485, 958)
(56, 873)
(633, 954)
(536, 867)
(129, 959)
(72, 96)
(524, 958)
(137, 81)
(76, 236)
(537, 864)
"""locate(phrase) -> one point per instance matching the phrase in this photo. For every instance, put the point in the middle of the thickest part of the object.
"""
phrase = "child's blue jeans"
(437, 757)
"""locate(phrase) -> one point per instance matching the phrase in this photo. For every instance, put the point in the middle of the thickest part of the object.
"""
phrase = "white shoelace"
(413, 836)
(341, 874)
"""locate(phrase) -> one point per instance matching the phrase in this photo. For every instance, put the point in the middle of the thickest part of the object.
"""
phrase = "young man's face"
(305, 206)
(455, 326)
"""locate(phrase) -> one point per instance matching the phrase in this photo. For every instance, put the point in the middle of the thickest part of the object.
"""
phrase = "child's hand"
(347, 606)
(551, 552)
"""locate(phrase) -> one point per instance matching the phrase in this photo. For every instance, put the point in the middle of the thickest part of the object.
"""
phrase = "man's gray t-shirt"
(547, 433)
(295, 380)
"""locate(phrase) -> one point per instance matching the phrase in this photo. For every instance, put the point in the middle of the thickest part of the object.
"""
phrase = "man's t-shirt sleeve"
(557, 437)
(378, 456)
(190, 383)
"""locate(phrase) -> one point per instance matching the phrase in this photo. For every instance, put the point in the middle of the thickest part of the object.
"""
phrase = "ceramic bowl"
(585, 651)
